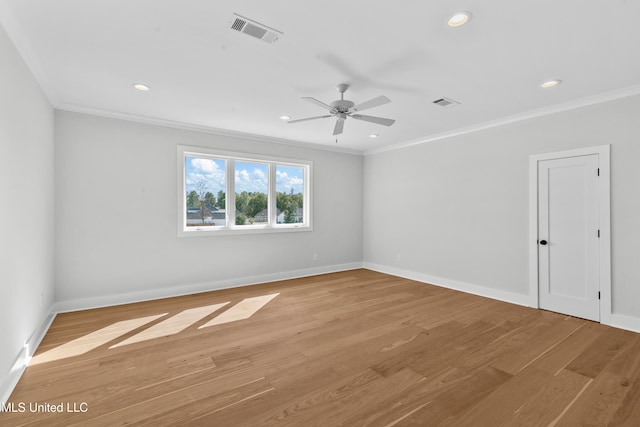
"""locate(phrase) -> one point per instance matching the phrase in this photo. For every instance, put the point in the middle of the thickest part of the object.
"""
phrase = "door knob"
(543, 242)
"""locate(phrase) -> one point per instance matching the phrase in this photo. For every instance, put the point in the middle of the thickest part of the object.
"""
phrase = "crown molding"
(63, 106)
(539, 112)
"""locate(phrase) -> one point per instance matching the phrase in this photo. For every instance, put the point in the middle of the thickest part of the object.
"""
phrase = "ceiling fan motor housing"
(342, 105)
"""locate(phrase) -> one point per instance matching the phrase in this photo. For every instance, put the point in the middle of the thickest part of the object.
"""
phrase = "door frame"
(604, 219)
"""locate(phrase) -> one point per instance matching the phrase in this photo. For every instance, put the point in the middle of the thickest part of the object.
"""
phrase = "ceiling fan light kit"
(342, 109)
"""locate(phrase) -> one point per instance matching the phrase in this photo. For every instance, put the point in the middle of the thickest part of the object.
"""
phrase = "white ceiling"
(87, 54)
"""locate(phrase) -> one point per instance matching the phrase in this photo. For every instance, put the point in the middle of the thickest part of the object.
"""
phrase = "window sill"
(234, 231)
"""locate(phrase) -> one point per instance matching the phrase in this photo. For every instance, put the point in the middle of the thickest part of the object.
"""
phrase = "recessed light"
(284, 118)
(373, 135)
(459, 19)
(142, 87)
(550, 83)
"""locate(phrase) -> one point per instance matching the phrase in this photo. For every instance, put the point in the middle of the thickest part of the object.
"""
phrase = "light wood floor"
(353, 348)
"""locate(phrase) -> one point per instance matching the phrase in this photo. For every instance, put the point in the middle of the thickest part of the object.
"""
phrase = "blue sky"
(250, 177)
(288, 177)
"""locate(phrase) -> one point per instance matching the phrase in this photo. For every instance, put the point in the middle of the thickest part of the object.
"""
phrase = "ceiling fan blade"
(380, 100)
(372, 119)
(318, 103)
(308, 118)
(339, 126)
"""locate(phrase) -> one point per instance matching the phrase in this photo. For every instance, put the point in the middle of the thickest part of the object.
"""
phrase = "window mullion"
(273, 211)
(231, 194)
(308, 192)
(183, 191)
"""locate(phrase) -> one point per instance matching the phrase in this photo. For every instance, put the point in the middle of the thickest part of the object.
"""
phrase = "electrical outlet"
(315, 257)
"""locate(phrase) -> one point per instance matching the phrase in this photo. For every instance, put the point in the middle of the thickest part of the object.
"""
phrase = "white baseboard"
(174, 291)
(497, 294)
(619, 321)
(624, 322)
(24, 356)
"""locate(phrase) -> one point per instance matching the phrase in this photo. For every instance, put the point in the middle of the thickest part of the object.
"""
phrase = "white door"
(568, 245)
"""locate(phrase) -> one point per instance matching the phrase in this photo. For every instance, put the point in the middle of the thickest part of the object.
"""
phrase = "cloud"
(211, 172)
(242, 175)
(254, 181)
(259, 174)
(291, 178)
(250, 177)
(207, 166)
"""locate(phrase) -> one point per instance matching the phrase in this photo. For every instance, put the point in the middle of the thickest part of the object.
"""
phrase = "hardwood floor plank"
(463, 346)
(555, 395)
(629, 412)
(425, 344)
(322, 405)
(626, 363)
(537, 345)
(446, 407)
(302, 381)
(567, 350)
(352, 348)
(595, 357)
(599, 403)
(498, 406)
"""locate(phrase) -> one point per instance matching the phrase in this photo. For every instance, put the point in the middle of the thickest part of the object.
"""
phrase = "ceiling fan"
(342, 108)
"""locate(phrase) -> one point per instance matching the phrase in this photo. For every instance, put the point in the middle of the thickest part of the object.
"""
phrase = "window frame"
(230, 159)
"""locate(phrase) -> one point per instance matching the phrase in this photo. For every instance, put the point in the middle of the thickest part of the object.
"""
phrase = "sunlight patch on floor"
(172, 325)
(243, 310)
(93, 340)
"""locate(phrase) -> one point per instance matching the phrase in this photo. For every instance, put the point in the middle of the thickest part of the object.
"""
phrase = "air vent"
(254, 29)
(238, 24)
(446, 102)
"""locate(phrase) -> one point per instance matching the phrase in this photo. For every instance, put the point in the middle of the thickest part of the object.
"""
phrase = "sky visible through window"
(252, 177)
(249, 177)
(289, 178)
(211, 172)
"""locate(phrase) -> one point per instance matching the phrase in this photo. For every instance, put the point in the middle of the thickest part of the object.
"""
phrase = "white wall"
(116, 216)
(457, 209)
(26, 209)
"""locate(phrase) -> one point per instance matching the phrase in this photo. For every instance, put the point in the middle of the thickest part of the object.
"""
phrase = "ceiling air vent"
(446, 102)
(254, 29)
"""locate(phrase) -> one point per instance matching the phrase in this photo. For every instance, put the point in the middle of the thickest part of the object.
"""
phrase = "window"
(252, 193)
(268, 194)
(205, 189)
(290, 194)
